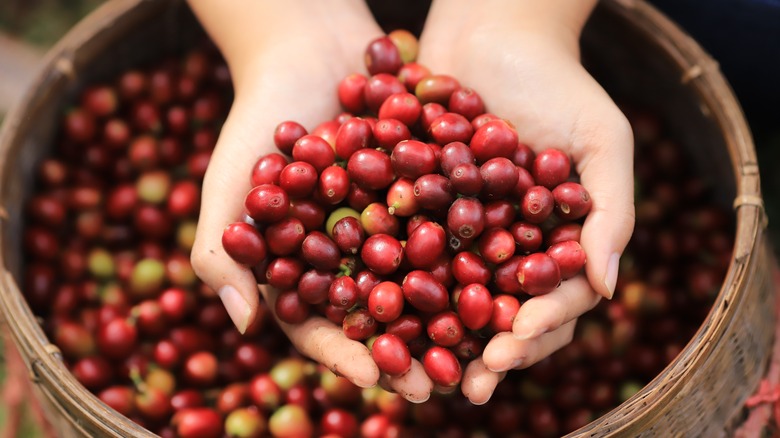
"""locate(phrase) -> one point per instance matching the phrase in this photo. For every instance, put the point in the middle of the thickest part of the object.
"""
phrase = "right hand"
(284, 67)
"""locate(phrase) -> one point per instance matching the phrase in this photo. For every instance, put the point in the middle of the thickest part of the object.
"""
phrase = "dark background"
(742, 35)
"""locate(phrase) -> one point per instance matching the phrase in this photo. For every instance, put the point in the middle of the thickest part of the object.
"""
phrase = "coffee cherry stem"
(344, 271)
(391, 209)
(138, 381)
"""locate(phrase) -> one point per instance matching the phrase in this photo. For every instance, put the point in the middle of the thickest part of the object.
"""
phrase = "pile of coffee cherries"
(108, 232)
(415, 220)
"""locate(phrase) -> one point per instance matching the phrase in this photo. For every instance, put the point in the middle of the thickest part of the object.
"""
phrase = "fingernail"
(479, 403)
(525, 332)
(236, 307)
(423, 400)
(610, 279)
(516, 363)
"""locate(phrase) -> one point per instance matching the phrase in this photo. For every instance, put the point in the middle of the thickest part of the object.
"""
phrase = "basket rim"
(42, 358)
(699, 71)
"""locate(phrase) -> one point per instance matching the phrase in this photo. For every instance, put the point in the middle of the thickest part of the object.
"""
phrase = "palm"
(540, 86)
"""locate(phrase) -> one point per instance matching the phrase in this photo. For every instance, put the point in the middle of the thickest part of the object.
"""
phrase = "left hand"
(527, 70)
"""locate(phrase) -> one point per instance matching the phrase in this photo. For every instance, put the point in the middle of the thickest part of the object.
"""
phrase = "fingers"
(505, 352)
(324, 342)
(605, 165)
(414, 386)
(224, 189)
(545, 313)
(479, 382)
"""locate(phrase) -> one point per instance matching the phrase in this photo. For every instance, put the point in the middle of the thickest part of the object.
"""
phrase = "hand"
(286, 59)
(523, 59)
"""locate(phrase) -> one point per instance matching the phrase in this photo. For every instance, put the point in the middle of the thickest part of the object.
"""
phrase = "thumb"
(605, 166)
(224, 189)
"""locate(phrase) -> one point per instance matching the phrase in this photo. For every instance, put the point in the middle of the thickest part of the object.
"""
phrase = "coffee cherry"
(314, 285)
(572, 201)
(450, 127)
(267, 203)
(453, 154)
(400, 198)
(413, 159)
(359, 325)
(499, 214)
(505, 276)
(245, 423)
(284, 272)
(379, 87)
(430, 112)
(343, 293)
(351, 93)
(406, 327)
(496, 245)
(442, 367)
(382, 56)
(267, 169)
(551, 168)
(290, 308)
(569, 256)
(197, 422)
(466, 218)
(538, 274)
(466, 102)
(370, 169)
(505, 308)
(475, 306)
(445, 329)
(425, 245)
(117, 339)
(499, 177)
(403, 107)
(340, 423)
(537, 205)
(528, 236)
(314, 150)
(298, 179)
(355, 134)
(433, 192)
(348, 235)
(382, 254)
(468, 268)
(424, 293)
(436, 88)
(411, 73)
(376, 219)
(494, 139)
(244, 244)
(389, 132)
(386, 301)
(391, 355)
(320, 251)
(466, 179)
(285, 237)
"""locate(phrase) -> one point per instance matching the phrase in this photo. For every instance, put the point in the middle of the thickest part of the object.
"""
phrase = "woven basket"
(632, 49)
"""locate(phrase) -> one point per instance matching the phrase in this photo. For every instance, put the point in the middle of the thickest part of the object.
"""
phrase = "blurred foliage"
(42, 22)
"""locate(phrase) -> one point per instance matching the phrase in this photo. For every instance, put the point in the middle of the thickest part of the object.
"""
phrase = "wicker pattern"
(700, 393)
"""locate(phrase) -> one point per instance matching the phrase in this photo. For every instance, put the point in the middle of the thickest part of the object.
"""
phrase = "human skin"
(523, 58)
(286, 59)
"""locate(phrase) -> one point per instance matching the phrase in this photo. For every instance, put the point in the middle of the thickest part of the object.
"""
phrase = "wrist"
(247, 32)
(553, 21)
